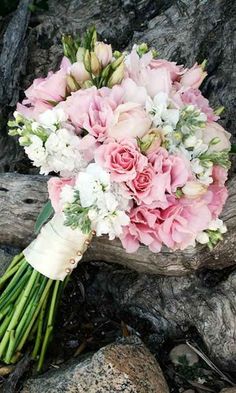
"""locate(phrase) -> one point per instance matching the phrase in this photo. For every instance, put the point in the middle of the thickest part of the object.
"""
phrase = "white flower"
(216, 225)
(202, 238)
(91, 183)
(67, 194)
(51, 117)
(111, 224)
(159, 111)
(190, 141)
(36, 151)
(63, 154)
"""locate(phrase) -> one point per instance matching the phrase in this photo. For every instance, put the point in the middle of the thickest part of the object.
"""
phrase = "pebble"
(180, 351)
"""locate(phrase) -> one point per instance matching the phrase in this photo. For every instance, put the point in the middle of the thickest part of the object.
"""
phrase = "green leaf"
(46, 213)
(233, 148)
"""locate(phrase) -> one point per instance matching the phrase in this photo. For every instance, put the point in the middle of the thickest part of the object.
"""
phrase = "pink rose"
(195, 97)
(219, 175)
(215, 130)
(217, 197)
(193, 77)
(41, 95)
(143, 228)
(174, 69)
(122, 160)
(144, 187)
(130, 121)
(157, 80)
(182, 221)
(55, 185)
(96, 110)
(171, 172)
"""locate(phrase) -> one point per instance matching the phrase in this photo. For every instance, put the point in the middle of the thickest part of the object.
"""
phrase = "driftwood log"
(170, 306)
(22, 197)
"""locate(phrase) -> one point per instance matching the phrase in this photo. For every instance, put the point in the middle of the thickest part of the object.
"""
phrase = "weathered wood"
(170, 306)
(22, 197)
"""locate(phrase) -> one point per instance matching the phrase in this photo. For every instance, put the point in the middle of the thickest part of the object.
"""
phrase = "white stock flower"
(217, 224)
(36, 151)
(67, 194)
(159, 111)
(63, 155)
(202, 238)
(111, 224)
(52, 117)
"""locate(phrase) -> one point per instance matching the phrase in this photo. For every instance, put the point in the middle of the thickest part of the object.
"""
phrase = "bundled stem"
(28, 305)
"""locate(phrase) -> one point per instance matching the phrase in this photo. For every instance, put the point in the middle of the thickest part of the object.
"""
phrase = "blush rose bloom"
(193, 77)
(144, 187)
(93, 110)
(219, 175)
(215, 130)
(143, 228)
(182, 221)
(130, 121)
(171, 172)
(217, 196)
(43, 92)
(174, 69)
(143, 73)
(55, 186)
(122, 160)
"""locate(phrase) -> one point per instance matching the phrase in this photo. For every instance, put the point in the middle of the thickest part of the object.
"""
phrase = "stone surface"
(183, 351)
(229, 390)
(126, 367)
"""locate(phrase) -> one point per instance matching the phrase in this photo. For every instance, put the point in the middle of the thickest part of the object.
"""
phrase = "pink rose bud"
(103, 53)
(193, 77)
(79, 72)
(194, 189)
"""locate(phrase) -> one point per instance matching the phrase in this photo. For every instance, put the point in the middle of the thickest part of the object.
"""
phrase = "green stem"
(37, 311)
(49, 328)
(18, 311)
(40, 328)
(15, 261)
(15, 279)
(16, 291)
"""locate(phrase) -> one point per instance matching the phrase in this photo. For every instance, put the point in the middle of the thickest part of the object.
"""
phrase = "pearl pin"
(68, 270)
(87, 242)
(79, 253)
(72, 261)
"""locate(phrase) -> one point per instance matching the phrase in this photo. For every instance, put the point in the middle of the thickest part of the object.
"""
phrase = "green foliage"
(216, 157)
(190, 120)
(46, 213)
(77, 216)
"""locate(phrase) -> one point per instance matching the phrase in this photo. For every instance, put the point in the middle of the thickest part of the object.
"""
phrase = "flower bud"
(103, 53)
(202, 238)
(115, 64)
(72, 85)
(87, 84)
(80, 54)
(87, 61)
(151, 141)
(193, 189)
(190, 141)
(95, 64)
(79, 73)
(117, 76)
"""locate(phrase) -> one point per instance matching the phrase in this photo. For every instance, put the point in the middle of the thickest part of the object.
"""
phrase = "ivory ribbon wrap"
(57, 249)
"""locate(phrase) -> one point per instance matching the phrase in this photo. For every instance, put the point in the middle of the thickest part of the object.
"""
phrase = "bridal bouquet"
(136, 153)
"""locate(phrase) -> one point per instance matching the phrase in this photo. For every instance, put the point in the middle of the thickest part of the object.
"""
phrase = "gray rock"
(228, 390)
(6, 255)
(183, 351)
(126, 366)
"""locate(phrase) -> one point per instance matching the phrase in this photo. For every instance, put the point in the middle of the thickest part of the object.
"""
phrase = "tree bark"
(169, 306)
(22, 197)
